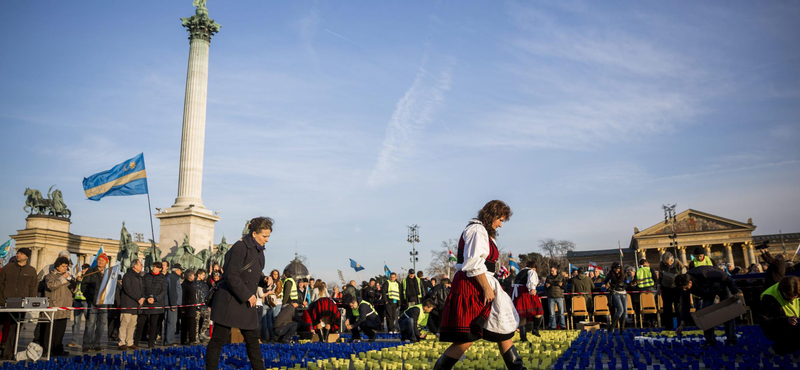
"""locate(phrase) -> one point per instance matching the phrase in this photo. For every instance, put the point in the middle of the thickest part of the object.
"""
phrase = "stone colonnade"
(748, 253)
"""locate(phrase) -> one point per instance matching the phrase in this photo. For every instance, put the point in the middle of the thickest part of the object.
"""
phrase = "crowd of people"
(165, 305)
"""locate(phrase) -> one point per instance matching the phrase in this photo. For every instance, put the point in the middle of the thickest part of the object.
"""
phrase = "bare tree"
(556, 250)
(440, 259)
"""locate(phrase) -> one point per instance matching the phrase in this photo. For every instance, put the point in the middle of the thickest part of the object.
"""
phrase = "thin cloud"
(413, 112)
(343, 38)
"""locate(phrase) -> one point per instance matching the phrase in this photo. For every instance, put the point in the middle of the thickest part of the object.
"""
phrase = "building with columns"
(722, 239)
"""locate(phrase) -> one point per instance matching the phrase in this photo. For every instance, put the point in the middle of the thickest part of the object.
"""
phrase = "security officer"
(362, 317)
(645, 280)
(290, 289)
(392, 292)
(413, 318)
(780, 306)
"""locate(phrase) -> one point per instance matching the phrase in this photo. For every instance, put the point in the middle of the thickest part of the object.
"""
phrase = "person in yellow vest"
(361, 317)
(646, 279)
(79, 315)
(290, 289)
(413, 318)
(780, 308)
(700, 259)
(391, 291)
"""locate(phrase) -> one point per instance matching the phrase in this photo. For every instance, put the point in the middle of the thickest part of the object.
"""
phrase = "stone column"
(707, 249)
(682, 251)
(190, 178)
(746, 256)
(34, 260)
(729, 253)
(751, 252)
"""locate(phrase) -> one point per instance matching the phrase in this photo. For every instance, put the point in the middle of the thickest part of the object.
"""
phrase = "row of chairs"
(648, 304)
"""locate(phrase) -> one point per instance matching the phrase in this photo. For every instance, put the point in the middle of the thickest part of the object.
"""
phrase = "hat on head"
(103, 256)
(411, 271)
(177, 266)
(25, 251)
(699, 250)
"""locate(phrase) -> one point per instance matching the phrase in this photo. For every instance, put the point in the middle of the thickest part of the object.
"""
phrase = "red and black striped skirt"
(464, 313)
(527, 305)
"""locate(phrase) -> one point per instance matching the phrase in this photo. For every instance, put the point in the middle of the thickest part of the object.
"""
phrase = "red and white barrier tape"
(127, 308)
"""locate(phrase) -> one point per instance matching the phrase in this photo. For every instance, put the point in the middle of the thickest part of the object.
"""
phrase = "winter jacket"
(91, 284)
(174, 290)
(155, 286)
(17, 281)
(59, 290)
(132, 292)
(555, 290)
(189, 297)
(230, 305)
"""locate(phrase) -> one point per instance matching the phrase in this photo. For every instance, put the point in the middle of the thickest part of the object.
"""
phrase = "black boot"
(613, 325)
(445, 363)
(523, 333)
(513, 360)
(535, 326)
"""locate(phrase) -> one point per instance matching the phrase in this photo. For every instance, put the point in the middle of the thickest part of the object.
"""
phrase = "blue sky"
(347, 121)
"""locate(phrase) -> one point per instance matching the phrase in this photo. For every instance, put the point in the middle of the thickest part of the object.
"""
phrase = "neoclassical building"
(723, 239)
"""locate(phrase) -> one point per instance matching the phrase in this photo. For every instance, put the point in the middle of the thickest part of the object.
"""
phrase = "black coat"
(707, 282)
(155, 286)
(189, 297)
(132, 291)
(230, 307)
(91, 285)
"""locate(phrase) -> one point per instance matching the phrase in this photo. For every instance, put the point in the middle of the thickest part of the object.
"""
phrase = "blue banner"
(355, 265)
(126, 178)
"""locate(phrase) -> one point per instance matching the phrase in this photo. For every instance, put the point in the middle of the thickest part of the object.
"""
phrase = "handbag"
(213, 290)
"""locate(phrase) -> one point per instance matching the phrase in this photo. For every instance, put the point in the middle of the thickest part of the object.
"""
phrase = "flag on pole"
(512, 263)
(452, 257)
(126, 178)
(6, 252)
(593, 267)
(94, 261)
(386, 270)
(109, 286)
(620, 250)
(503, 271)
(572, 267)
(355, 265)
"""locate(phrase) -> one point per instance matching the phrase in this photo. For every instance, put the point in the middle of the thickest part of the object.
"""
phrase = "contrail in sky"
(344, 38)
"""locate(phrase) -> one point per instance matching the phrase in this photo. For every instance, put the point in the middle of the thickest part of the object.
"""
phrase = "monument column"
(746, 256)
(729, 253)
(188, 216)
(751, 252)
(34, 260)
(682, 251)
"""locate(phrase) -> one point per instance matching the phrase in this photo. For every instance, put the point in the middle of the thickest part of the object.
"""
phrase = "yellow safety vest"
(357, 314)
(705, 262)
(293, 294)
(79, 294)
(423, 316)
(792, 308)
(394, 290)
(644, 276)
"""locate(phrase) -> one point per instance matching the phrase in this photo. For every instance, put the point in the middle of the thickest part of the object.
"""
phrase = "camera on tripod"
(762, 245)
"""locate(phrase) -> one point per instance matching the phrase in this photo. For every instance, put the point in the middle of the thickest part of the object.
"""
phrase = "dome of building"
(297, 269)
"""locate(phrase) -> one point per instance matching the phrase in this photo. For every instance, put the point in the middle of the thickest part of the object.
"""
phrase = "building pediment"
(692, 221)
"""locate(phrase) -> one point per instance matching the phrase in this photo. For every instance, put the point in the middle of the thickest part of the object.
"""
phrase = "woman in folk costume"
(477, 307)
(526, 301)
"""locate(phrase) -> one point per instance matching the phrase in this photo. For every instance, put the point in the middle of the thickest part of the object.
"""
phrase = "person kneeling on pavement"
(707, 282)
(286, 323)
(415, 317)
(361, 317)
(780, 308)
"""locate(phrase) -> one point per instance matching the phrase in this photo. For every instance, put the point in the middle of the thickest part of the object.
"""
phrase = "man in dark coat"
(234, 304)
(583, 285)
(437, 295)
(131, 295)
(155, 295)
(555, 297)
(286, 322)
(188, 314)
(174, 298)
(707, 282)
(203, 315)
(411, 289)
(17, 279)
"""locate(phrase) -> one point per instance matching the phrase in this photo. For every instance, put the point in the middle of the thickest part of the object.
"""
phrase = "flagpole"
(152, 230)
(621, 264)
